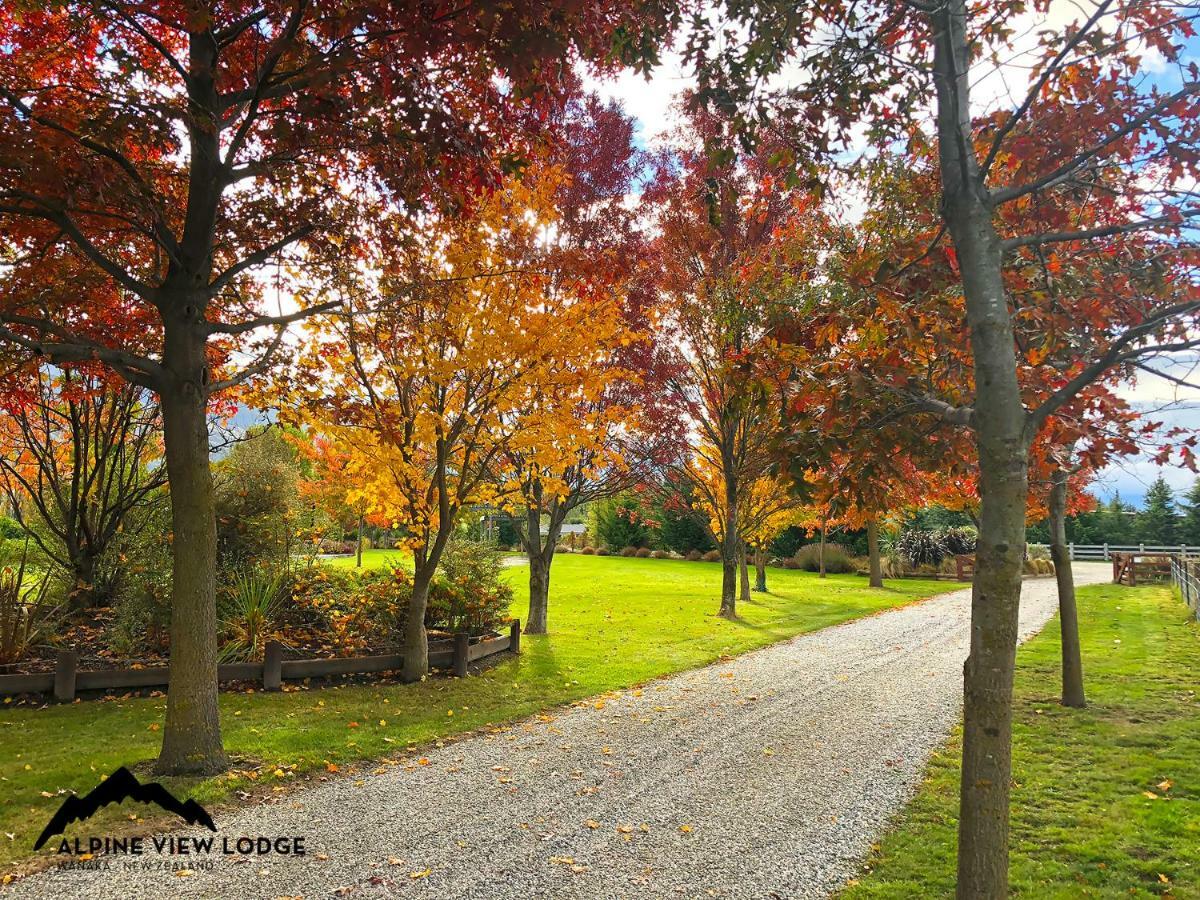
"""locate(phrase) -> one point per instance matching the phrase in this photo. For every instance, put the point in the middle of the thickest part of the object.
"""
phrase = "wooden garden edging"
(66, 680)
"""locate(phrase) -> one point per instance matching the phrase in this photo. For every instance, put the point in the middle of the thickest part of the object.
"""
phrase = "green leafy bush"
(26, 612)
(618, 522)
(10, 529)
(468, 594)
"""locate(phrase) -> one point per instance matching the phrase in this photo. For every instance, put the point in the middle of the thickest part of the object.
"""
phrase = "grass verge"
(1106, 800)
(615, 622)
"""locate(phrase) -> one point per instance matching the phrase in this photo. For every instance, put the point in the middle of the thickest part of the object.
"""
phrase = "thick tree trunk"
(999, 419)
(729, 549)
(192, 731)
(1068, 614)
(873, 562)
(358, 557)
(540, 549)
(416, 639)
(760, 570)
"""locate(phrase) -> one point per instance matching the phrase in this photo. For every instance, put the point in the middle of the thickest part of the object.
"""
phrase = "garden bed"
(67, 678)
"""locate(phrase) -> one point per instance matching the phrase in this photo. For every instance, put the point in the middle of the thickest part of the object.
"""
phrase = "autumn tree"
(80, 453)
(590, 440)
(722, 264)
(428, 379)
(1121, 141)
(177, 149)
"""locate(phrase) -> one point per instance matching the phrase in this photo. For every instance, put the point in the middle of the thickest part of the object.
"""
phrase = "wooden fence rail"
(66, 679)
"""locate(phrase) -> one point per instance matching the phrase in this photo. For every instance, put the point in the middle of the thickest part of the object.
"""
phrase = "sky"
(652, 103)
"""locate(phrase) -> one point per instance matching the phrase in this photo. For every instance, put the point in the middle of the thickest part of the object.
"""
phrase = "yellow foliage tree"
(447, 355)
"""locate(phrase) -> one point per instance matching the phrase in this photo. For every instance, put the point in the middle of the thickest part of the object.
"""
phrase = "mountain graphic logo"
(122, 785)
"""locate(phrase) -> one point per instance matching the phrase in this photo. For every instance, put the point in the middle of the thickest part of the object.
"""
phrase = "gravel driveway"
(765, 776)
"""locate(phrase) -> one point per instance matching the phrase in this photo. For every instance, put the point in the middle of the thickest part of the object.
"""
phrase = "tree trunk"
(539, 594)
(358, 559)
(821, 551)
(192, 731)
(1068, 615)
(83, 576)
(744, 570)
(874, 565)
(999, 421)
(760, 570)
(416, 639)
(729, 579)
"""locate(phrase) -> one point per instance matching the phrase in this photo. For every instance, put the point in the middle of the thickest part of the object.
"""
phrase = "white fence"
(1185, 575)
(1105, 551)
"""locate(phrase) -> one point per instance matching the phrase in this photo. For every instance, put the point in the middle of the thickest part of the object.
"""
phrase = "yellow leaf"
(686, 829)
(592, 823)
(423, 873)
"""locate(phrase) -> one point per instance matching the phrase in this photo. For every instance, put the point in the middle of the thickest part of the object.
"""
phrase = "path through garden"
(767, 775)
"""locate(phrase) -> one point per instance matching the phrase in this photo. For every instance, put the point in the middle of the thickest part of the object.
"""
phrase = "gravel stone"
(768, 775)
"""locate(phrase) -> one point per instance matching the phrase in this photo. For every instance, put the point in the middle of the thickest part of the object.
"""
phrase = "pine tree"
(1189, 524)
(1157, 522)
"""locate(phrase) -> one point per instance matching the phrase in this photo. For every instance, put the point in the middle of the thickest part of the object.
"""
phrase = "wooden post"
(64, 675)
(514, 636)
(1106, 551)
(462, 653)
(273, 666)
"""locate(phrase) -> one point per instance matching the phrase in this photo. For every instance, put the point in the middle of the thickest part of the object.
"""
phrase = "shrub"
(891, 563)
(837, 560)
(791, 563)
(712, 556)
(629, 551)
(336, 548)
(588, 551)
(618, 522)
(26, 613)
(1037, 551)
(602, 551)
(248, 612)
(10, 529)
(956, 541)
(694, 555)
(659, 554)
(643, 552)
(257, 500)
(366, 543)
(921, 548)
(349, 609)
(469, 595)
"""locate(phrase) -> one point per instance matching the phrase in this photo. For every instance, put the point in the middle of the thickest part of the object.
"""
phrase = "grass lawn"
(1106, 800)
(615, 622)
(373, 559)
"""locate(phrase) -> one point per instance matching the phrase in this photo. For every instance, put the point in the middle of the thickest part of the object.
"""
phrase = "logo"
(122, 785)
